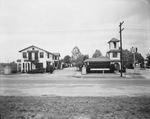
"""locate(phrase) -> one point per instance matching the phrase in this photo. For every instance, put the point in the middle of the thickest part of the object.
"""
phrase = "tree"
(127, 58)
(67, 59)
(139, 58)
(97, 53)
(75, 52)
(85, 57)
(148, 59)
(80, 60)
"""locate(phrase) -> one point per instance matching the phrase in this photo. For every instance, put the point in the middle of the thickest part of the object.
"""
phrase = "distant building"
(56, 59)
(114, 52)
(34, 57)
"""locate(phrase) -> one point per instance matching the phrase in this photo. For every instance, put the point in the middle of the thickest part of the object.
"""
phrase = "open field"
(61, 96)
(42, 107)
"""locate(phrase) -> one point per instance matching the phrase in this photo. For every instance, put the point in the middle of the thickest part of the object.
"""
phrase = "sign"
(134, 49)
(83, 70)
(137, 69)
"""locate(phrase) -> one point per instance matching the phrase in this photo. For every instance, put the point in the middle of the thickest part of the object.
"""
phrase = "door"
(30, 56)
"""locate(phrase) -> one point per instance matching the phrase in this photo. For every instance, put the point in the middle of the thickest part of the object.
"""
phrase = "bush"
(123, 69)
(13, 70)
(88, 69)
(112, 68)
(51, 69)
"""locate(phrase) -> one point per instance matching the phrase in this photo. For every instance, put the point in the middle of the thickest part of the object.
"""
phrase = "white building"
(34, 57)
(114, 52)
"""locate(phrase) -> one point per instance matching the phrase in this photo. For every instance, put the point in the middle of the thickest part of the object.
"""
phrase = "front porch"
(29, 66)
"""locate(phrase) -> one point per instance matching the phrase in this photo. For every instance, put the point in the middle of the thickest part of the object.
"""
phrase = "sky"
(60, 25)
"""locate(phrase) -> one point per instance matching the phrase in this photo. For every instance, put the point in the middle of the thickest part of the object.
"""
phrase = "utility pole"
(120, 31)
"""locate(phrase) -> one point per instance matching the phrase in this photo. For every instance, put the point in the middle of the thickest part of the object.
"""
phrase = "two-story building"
(114, 52)
(34, 57)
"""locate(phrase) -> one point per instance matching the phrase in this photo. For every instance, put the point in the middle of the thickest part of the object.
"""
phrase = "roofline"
(113, 41)
(108, 60)
(37, 48)
(56, 55)
(113, 51)
(115, 60)
(98, 61)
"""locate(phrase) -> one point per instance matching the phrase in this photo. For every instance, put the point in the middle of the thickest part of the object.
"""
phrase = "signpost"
(136, 68)
(134, 50)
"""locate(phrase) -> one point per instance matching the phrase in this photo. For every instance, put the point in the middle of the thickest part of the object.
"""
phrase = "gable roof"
(114, 40)
(98, 59)
(35, 47)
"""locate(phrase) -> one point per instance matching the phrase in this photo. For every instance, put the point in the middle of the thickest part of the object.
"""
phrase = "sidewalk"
(115, 75)
(144, 73)
(78, 74)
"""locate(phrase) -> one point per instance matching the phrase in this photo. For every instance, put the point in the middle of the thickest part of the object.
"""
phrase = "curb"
(78, 75)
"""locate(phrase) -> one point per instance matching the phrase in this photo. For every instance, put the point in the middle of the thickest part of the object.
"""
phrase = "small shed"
(7, 70)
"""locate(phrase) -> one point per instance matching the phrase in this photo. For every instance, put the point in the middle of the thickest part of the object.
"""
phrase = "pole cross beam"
(120, 31)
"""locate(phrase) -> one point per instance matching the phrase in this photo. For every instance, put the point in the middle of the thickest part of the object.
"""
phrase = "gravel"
(56, 107)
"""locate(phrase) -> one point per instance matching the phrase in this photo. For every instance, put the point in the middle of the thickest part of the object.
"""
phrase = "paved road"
(62, 83)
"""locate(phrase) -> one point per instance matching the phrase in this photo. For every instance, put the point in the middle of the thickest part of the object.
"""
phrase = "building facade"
(34, 57)
(98, 64)
(114, 52)
(56, 59)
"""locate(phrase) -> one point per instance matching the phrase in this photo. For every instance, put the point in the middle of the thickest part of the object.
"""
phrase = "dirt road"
(62, 83)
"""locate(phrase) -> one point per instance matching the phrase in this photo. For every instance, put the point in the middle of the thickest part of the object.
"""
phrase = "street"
(63, 83)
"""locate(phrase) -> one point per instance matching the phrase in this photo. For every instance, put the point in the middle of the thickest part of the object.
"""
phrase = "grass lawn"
(118, 107)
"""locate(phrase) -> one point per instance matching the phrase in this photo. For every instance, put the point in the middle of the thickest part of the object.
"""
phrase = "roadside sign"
(134, 49)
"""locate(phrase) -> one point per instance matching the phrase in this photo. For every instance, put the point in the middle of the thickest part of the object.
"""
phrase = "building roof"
(114, 40)
(98, 59)
(57, 54)
(18, 60)
(115, 60)
(35, 47)
(114, 50)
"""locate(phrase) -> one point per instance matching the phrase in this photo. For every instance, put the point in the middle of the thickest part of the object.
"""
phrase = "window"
(36, 55)
(115, 54)
(24, 55)
(115, 45)
(41, 54)
(47, 55)
(32, 48)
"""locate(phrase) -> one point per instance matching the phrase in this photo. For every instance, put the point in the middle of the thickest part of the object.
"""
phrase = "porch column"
(27, 66)
(30, 65)
(21, 66)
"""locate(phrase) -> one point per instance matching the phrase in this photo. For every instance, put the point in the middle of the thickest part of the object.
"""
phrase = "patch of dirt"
(43, 107)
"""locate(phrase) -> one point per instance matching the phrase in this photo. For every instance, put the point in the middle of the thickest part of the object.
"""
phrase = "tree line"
(78, 58)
